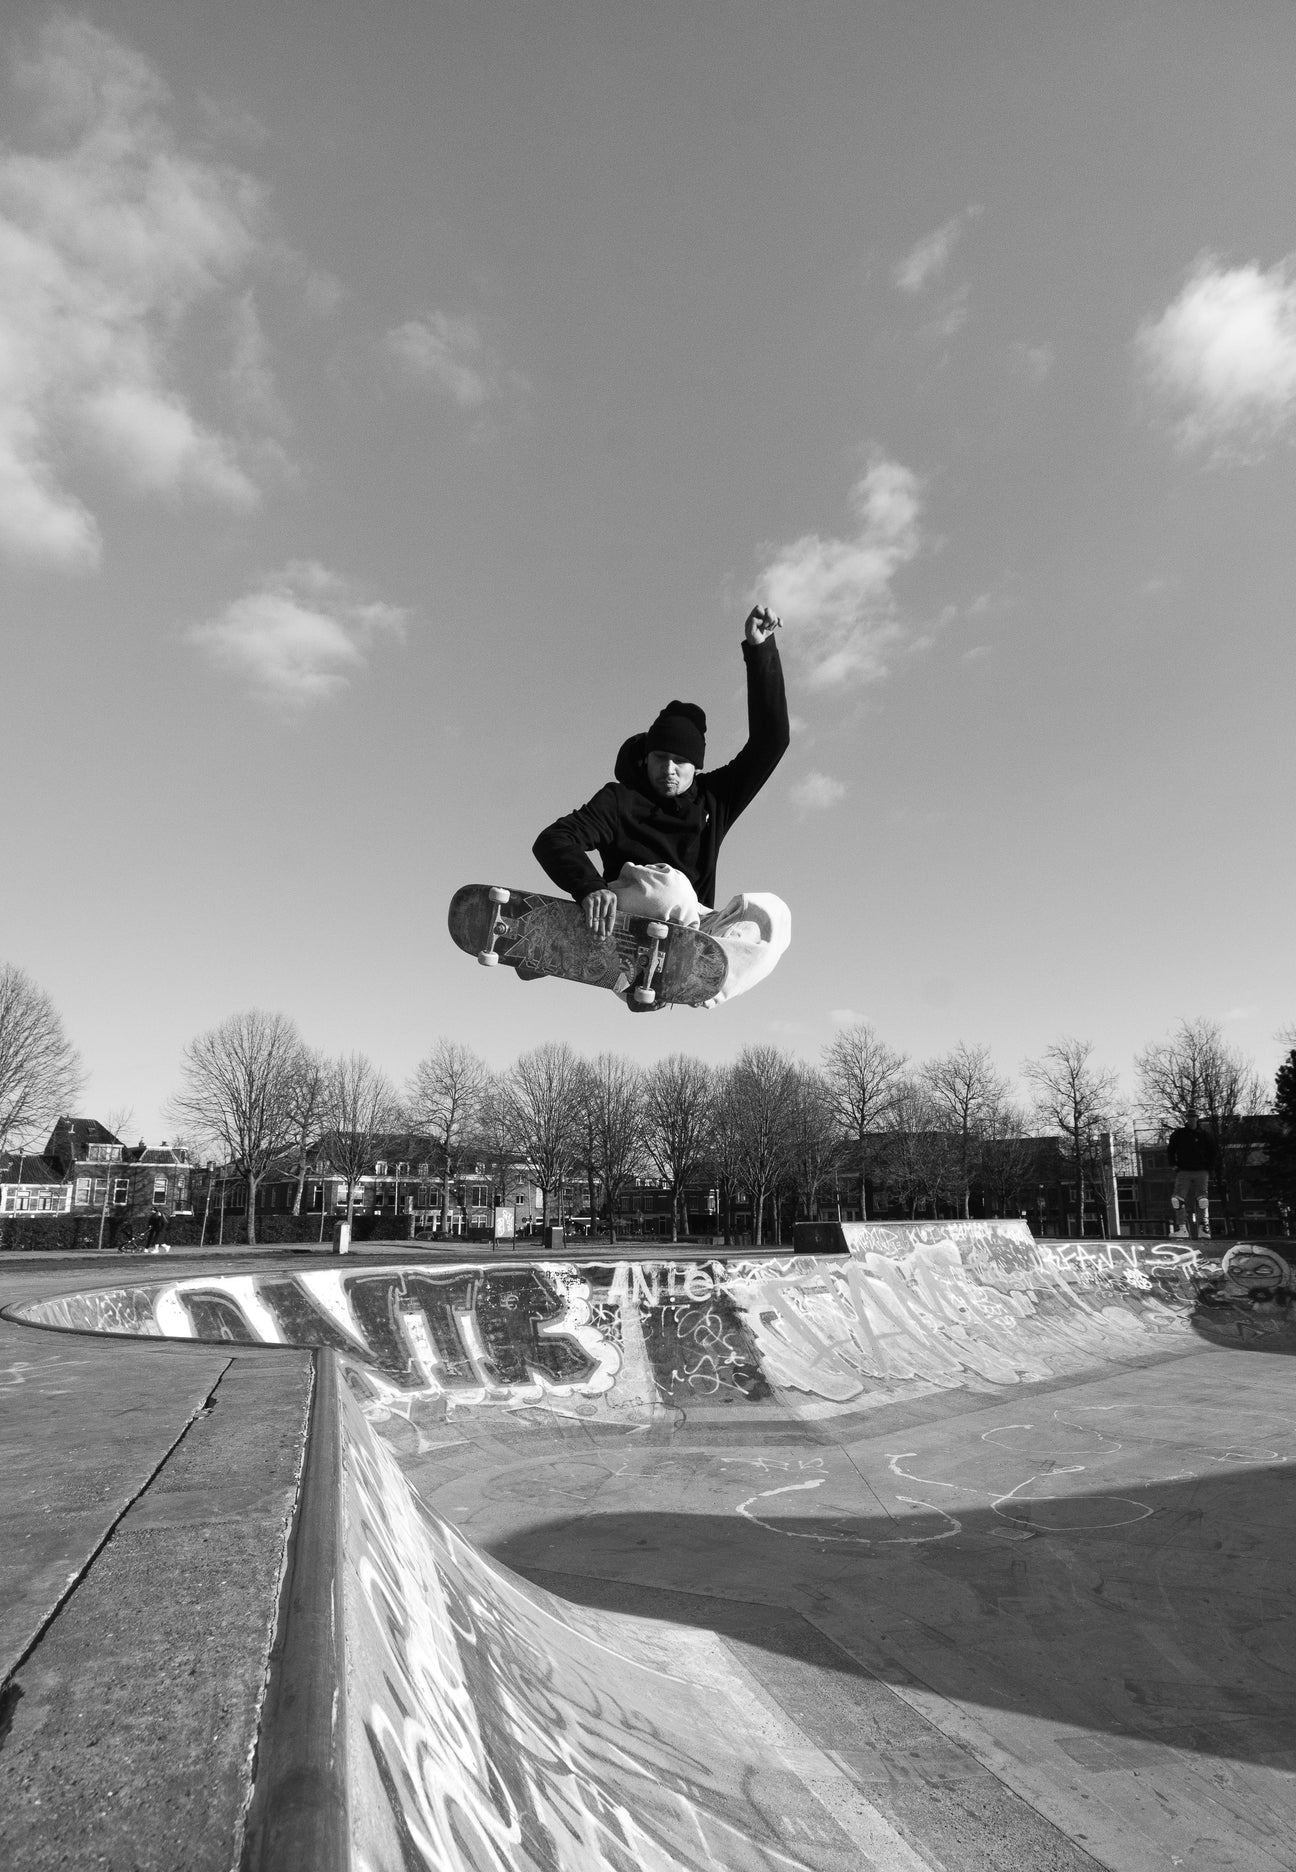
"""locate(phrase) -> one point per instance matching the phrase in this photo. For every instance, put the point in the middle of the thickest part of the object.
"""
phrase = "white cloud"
(300, 637)
(449, 355)
(835, 596)
(844, 1016)
(929, 257)
(950, 314)
(1033, 363)
(817, 791)
(108, 242)
(251, 378)
(1222, 356)
(151, 437)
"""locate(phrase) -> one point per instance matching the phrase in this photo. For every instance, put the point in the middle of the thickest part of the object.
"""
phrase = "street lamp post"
(202, 1238)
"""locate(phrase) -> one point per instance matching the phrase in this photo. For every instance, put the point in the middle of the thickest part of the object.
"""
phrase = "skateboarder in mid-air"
(658, 826)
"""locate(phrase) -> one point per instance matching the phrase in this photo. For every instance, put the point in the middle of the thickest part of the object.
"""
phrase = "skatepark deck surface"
(955, 1550)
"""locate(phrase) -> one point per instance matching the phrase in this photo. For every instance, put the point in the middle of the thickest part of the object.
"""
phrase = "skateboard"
(660, 963)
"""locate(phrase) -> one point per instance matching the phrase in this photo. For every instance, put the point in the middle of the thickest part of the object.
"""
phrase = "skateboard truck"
(645, 994)
(489, 956)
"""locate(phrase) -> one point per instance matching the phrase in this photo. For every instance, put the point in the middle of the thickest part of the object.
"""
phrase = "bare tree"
(725, 1144)
(120, 1120)
(309, 1081)
(40, 1073)
(1196, 1070)
(445, 1099)
(358, 1108)
(677, 1101)
(966, 1089)
(813, 1137)
(492, 1127)
(541, 1103)
(237, 1088)
(863, 1075)
(1007, 1159)
(758, 1093)
(612, 1120)
(1077, 1099)
(917, 1154)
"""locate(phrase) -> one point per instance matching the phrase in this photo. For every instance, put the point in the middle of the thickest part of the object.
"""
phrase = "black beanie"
(680, 730)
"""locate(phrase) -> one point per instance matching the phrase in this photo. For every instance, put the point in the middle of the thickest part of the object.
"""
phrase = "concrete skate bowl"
(956, 1550)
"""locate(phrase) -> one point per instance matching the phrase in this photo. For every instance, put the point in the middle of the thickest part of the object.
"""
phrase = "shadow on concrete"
(1247, 1325)
(1161, 1616)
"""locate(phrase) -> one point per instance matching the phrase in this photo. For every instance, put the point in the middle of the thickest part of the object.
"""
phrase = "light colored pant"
(1192, 1186)
(753, 929)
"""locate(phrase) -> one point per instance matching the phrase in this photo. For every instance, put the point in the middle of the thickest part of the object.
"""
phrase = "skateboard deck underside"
(544, 935)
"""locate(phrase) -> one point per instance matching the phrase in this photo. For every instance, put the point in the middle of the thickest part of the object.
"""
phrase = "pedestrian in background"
(1192, 1152)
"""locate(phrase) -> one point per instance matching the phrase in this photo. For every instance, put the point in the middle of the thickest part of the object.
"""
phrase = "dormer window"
(380, 1168)
(402, 1169)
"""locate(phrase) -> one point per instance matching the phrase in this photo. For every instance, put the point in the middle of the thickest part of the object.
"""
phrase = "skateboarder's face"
(667, 774)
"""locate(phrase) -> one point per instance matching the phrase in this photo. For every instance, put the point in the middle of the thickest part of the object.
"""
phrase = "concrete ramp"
(910, 1309)
(488, 1723)
(952, 1550)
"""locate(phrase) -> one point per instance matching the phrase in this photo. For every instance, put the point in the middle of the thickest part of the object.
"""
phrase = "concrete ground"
(1039, 1625)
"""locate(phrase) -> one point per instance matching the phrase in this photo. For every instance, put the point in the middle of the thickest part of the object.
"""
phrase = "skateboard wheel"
(658, 931)
(498, 894)
(645, 996)
(488, 958)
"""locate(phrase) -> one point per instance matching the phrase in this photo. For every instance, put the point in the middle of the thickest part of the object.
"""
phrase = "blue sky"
(399, 404)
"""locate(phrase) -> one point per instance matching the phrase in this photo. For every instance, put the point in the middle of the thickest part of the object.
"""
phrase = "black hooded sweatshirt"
(1189, 1149)
(626, 822)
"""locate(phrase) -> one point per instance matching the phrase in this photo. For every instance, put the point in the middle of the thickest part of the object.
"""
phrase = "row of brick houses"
(87, 1172)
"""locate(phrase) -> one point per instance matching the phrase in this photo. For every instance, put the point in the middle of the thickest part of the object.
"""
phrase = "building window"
(83, 1188)
(380, 1168)
(423, 1168)
(104, 1153)
(159, 1189)
(121, 1186)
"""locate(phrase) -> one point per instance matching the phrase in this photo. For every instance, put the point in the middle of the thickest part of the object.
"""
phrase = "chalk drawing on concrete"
(1069, 1514)
(822, 1530)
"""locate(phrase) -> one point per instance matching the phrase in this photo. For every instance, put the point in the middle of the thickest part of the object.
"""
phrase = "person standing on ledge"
(657, 827)
(1192, 1154)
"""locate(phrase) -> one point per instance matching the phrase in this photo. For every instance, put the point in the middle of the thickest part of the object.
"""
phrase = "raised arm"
(768, 734)
(760, 625)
